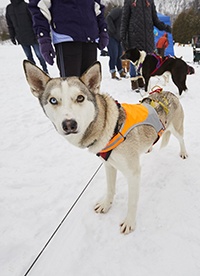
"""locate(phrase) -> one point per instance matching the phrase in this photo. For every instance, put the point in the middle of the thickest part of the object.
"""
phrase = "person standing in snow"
(76, 28)
(113, 20)
(138, 20)
(20, 27)
(162, 44)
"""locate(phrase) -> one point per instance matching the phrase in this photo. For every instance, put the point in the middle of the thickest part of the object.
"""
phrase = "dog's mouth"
(70, 127)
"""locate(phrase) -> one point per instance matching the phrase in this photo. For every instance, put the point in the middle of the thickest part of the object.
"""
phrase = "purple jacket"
(83, 20)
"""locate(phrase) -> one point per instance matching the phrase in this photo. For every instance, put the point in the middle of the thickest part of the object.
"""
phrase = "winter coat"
(81, 20)
(20, 23)
(138, 20)
(113, 20)
(163, 42)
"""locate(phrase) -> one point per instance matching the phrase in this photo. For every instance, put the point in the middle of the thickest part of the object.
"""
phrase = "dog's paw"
(127, 226)
(102, 207)
(183, 155)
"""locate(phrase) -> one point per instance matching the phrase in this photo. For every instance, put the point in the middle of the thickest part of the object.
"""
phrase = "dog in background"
(126, 65)
(153, 65)
(118, 133)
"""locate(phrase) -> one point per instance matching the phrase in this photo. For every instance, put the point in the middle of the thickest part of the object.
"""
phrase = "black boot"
(114, 76)
(134, 86)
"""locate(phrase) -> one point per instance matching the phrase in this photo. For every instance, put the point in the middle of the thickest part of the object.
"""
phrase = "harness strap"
(160, 61)
(137, 114)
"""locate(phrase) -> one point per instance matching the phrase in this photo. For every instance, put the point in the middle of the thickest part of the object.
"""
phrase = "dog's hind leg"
(177, 131)
(181, 84)
(104, 205)
(179, 136)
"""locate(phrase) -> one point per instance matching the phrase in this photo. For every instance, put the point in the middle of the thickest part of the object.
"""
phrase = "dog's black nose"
(69, 126)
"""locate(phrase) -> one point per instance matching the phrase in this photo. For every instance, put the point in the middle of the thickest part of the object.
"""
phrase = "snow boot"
(114, 76)
(134, 86)
(122, 74)
(140, 82)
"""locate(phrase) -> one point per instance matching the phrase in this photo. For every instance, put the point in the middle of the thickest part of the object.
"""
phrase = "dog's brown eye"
(53, 101)
(80, 98)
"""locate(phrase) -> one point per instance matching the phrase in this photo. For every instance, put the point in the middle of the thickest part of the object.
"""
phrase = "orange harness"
(136, 114)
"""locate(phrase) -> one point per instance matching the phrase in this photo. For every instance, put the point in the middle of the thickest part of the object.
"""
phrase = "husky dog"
(150, 65)
(88, 119)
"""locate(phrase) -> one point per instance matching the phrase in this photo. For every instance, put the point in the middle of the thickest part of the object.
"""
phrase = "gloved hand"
(103, 40)
(13, 41)
(168, 29)
(46, 49)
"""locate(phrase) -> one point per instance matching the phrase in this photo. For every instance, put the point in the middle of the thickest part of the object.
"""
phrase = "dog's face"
(132, 54)
(68, 102)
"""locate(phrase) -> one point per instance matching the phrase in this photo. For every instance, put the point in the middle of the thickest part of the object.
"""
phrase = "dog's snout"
(69, 126)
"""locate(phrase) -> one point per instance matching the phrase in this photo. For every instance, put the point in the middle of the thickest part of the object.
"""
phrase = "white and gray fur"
(87, 119)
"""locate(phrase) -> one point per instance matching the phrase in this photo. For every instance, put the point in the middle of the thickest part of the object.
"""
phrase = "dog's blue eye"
(53, 101)
(80, 98)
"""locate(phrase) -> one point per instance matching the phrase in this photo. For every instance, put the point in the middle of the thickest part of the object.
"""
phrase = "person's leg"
(119, 61)
(89, 55)
(134, 78)
(28, 52)
(132, 70)
(162, 52)
(69, 58)
(159, 50)
(40, 57)
(112, 51)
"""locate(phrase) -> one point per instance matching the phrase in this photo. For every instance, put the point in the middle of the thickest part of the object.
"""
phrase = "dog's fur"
(88, 119)
(126, 65)
(176, 66)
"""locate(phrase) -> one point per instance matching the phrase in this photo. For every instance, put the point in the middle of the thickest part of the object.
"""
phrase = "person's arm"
(41, 24)
(125, 23)
(157, 23)
(103, 35)
(41, 16)
(166, 43)
(11, 28)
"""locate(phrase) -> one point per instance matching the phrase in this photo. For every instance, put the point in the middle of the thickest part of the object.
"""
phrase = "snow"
(41, 175)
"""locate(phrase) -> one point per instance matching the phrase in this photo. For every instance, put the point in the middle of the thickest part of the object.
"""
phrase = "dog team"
(118, 133)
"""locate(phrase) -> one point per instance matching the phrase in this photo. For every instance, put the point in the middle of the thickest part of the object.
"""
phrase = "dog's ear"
(36, 78)
(92, 77)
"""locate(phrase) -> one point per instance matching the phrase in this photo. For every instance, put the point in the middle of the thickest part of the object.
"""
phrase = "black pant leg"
(89, 55)
(69, 55)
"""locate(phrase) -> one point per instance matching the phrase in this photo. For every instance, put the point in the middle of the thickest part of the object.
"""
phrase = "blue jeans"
(29, 55)
(132, 70)
(115, 52)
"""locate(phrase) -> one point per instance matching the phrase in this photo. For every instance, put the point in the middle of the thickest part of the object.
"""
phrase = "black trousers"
(74, 58)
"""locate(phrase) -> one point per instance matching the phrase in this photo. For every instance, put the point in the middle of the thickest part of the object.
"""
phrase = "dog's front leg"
(129, 223)
(104, 205)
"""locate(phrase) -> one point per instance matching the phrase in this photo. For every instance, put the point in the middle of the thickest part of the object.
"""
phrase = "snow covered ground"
(41, 175)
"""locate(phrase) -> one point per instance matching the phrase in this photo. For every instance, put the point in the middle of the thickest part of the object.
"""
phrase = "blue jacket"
(83, 20)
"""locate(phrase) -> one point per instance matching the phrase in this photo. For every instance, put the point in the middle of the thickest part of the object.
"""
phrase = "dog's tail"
(165, 138)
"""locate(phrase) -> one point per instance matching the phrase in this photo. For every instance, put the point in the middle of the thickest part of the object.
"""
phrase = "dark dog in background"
(150, 65)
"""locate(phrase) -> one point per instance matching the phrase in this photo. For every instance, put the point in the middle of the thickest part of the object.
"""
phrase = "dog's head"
(68, 102)
(134, 55)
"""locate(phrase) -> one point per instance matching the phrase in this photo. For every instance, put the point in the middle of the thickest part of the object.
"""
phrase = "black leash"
(62, 221)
